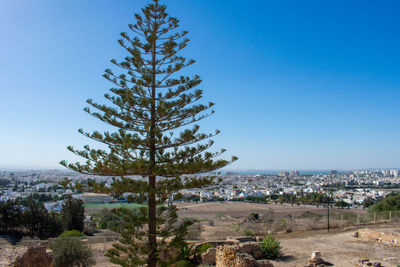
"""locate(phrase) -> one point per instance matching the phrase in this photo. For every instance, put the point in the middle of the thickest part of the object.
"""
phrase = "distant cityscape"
(354, 188)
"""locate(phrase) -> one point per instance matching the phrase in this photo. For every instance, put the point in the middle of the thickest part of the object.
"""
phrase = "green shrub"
(271, 247)
(72, 233)
(71, 251)
(203, 248)
(248, 232)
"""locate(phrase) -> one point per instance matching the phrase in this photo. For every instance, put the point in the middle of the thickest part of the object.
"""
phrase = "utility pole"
(328, 213)
(329, 202)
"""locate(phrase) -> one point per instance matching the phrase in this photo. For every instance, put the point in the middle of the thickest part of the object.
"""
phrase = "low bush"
(248, 232)
(72, 233)
(271, 247)
(203, 248)
(71, 251)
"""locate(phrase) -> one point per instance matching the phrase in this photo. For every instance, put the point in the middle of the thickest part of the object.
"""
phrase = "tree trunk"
(152, 234)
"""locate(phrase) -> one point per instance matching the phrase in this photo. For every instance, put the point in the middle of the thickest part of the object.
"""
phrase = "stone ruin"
(244, 252)
(235, 252)
(233, 256)
(391, 239)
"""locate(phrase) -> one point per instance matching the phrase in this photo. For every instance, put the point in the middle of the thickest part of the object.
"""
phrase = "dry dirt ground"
(219, 220)
(337, 248)
(240, 210)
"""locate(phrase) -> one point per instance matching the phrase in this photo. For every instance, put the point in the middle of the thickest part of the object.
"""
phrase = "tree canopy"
(152, 107)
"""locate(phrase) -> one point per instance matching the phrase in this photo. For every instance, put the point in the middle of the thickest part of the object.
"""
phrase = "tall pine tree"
(152, 108)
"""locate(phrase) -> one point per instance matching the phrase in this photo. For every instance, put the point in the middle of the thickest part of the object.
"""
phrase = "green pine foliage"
(73, 214)
(29, 219)
(152, 107)
(10, 216)
(271, 247)
(40, 223)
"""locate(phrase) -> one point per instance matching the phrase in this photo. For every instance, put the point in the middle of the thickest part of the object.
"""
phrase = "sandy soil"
(339, 249)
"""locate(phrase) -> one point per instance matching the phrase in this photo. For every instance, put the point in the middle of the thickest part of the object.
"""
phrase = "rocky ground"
(9, 253)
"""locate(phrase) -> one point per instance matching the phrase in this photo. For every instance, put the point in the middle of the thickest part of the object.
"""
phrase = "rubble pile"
(239, 256)
(386, 238)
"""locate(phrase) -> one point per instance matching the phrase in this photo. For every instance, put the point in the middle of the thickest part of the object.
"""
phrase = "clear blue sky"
(298, 84)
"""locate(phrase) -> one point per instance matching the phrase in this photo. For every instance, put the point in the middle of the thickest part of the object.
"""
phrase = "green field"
(95, 206)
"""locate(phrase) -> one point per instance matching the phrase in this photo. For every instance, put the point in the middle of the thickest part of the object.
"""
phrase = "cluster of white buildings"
(352, 187)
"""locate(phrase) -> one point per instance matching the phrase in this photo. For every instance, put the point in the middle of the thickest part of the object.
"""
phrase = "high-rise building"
(394, 173)
(283, 174)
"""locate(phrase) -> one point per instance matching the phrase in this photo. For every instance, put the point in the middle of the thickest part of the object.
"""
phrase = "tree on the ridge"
(152, 104)
(35, 219)
(10, 215)
(73, 214)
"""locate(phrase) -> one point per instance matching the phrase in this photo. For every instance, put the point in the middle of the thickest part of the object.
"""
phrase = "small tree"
(71, 252)
(73, 214)
(35, 218)
(342, 204)
(38, 222)
(10, 215)
(152, 106)
(53, 225)
(271, 247)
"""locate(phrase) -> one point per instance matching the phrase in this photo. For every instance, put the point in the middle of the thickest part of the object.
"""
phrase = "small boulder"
(252, 248)
(315, 256)
(315, 259)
